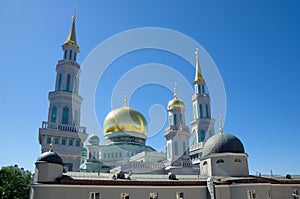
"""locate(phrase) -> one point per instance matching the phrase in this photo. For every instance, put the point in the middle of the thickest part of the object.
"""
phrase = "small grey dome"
(222, 143)
(50, 157)
(94, 139)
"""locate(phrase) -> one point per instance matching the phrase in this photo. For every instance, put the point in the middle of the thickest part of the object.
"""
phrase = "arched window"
(74, 56)
(56, 140)
(206, 107)
(201, 111)
(184, 148)
(63, 141)
(70, 142)
(70, 56)
(75, 119)
(204, 163)
(176, 148)
(169, 150)
(53, 114)
(220, 161)
(59, 82)
(74, 85)
(65, 115)
(68, 82)
(203, 89)
(175, 119)
(237, 160)
(194, 137)
(65, 54)
(199, 89)
(202, 135)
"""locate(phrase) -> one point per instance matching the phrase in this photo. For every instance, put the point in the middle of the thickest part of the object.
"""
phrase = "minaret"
(202, 123)
(63, 125)
(177, 135)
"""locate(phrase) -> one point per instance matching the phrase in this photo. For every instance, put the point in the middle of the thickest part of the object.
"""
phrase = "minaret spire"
(220, 124)
(125, 100)
(175, 90)
(71, 39)
(198, 75)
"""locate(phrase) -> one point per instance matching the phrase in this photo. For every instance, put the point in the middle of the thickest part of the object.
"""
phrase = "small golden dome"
(125, 119)
(175, 103)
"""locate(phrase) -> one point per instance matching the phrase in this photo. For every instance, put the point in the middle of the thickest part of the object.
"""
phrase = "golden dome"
(175, 103)
(125, 119)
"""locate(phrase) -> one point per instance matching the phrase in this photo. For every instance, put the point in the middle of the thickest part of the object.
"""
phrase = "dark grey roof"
(50, 157)
(222, 143)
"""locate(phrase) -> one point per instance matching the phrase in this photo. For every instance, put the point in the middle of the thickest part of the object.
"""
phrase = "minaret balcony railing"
(196, 146)
(69, 62)
(173, 128)
(63, 127)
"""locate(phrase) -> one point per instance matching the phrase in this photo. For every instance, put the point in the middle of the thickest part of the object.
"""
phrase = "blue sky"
(254, 44)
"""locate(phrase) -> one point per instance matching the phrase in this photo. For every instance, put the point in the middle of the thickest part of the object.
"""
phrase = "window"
(59, 82)
(176, 148)
(153, 196)
(175, 119)
(104, 155)
(94, 195)
(116, 154)
(204, 163)
(63, 141)
(169, 150)
(48, 140)
(70, 56)
(120, 154)
(201, 111)
(70, 142)
(68, 82)
(53, 115)
(194, 137)
(251, 194)
(220, 161)
(112, 155)
(184, 148)
(199, 89)
(108, 155)
(74, 56)
(206, 107)
(179, 195)
(65, 115)
(56, 141)
(77, 143)
(124, 195)
(202, 136)
(65, 54)
(237, 160)
(295, 194)
(203, 89)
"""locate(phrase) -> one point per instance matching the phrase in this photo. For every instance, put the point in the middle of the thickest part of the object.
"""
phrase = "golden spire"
(72, 34)
(125, 100)
(198, 75)
(175, 90)
(51, 145)
(220, 124)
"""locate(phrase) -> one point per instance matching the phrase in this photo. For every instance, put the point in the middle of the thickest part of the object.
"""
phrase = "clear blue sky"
(255, 45)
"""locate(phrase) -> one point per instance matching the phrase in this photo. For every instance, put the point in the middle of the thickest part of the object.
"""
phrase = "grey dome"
(50, 157)
(222, 143)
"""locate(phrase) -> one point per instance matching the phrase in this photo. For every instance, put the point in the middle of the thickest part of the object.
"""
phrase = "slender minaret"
(202, 123)
(177, 135)
(63, 125)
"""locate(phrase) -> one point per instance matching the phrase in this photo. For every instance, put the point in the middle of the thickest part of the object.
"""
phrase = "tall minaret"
(63, 125)
(177, 135)
(202, 123)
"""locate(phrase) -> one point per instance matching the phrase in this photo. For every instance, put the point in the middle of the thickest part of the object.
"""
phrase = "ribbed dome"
(125, 119)
(94, 139)
(50, 157)
(175, 103)
(222, 143)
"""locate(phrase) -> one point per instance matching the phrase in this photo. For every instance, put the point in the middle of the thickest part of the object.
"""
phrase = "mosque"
(214, 166)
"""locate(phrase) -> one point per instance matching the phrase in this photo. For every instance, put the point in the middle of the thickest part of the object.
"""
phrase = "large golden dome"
(125, 119)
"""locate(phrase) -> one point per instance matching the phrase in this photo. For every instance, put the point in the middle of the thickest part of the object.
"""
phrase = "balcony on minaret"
(68, 62)
(63, 127)
(176, 128)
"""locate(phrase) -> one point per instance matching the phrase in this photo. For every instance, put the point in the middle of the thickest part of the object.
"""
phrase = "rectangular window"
(56, 141)
(153, 196)
(251, 194)
(70, 142)
(295, 194)
(77, 143)
(63, 141)
(179, 195)
(94, 195)
(124, 195)
(48, 140)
